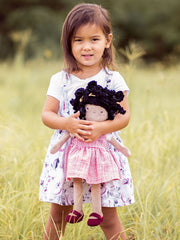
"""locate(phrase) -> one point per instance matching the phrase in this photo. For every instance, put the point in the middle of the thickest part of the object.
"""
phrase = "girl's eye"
(95, 39)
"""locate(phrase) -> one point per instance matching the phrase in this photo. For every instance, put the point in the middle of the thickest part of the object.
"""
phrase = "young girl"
(92, 162)
(88, 55)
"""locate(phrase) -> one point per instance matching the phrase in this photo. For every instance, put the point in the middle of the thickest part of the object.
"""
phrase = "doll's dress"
(91, 161)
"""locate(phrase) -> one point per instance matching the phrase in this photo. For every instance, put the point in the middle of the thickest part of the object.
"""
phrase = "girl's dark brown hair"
(80, 15)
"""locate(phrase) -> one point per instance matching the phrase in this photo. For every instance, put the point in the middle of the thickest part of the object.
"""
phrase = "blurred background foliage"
(33, 27)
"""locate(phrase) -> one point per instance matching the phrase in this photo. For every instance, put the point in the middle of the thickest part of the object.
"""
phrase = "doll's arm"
(59, 144)
(119, 146)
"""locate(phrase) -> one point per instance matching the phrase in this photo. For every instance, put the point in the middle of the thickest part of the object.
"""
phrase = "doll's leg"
(96, 198)
(111, 224)
(78, 194)
(76, 215)
(56, 223)
(96, 217)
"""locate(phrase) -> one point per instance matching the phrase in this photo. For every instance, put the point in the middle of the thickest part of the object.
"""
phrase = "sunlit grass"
(153, 135)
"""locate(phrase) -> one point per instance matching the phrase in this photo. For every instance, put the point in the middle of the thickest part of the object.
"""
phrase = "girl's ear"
(109, 40)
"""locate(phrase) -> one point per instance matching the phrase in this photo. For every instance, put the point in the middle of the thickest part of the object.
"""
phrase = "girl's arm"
(75, 126)
(119, 122)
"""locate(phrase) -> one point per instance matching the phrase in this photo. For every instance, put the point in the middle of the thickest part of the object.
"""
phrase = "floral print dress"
(53, 185)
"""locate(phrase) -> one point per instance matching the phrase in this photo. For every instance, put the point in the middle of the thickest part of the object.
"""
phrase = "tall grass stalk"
(153, 135)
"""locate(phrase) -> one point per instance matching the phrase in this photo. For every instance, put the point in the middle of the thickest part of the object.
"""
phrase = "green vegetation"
(153, 135)
(153, 24)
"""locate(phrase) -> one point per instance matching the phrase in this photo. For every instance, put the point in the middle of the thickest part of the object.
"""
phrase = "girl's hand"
(119, 122)
(95, 133)
(79, 128)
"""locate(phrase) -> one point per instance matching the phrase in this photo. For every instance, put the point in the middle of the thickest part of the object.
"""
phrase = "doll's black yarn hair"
(97, 95)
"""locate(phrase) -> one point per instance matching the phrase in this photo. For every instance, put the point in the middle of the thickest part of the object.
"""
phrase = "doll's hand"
(79, 128)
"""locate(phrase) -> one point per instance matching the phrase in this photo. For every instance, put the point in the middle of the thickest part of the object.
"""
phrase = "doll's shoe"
(74, 217)
(94, 221)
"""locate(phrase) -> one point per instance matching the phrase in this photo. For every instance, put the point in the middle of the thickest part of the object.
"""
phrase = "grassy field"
(153, 135)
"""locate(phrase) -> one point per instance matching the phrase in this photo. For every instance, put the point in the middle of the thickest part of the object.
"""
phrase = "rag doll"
(92, 161)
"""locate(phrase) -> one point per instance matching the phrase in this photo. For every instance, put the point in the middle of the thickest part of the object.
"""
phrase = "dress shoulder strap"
(66, 104)
(108, 77)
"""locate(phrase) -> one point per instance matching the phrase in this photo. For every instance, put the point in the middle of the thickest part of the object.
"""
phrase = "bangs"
(95, 17)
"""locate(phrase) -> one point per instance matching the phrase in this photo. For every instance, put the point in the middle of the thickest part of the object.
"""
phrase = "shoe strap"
(95, 215)
(76, 213)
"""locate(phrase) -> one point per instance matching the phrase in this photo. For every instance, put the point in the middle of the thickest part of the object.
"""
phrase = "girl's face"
(88, 44)
(95, 113)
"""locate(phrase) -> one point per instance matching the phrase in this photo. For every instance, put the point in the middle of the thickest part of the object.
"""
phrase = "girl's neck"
(83, 74)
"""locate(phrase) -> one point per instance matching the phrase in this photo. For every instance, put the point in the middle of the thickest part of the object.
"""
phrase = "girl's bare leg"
(111, 225)
(56, 223)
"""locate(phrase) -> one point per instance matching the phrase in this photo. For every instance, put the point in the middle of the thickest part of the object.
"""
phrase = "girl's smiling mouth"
(87, 56)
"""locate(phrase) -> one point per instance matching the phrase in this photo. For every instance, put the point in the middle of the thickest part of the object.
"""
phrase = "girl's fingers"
(79, 127)
(79, 137)
(84, 133)
(88, 140)
(86, 127)
(76, 115)
(85, 122)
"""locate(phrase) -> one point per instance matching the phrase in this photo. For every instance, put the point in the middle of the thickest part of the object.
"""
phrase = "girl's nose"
(87, 46)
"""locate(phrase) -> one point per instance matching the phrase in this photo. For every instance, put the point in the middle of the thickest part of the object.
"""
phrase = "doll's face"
(95, 113)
